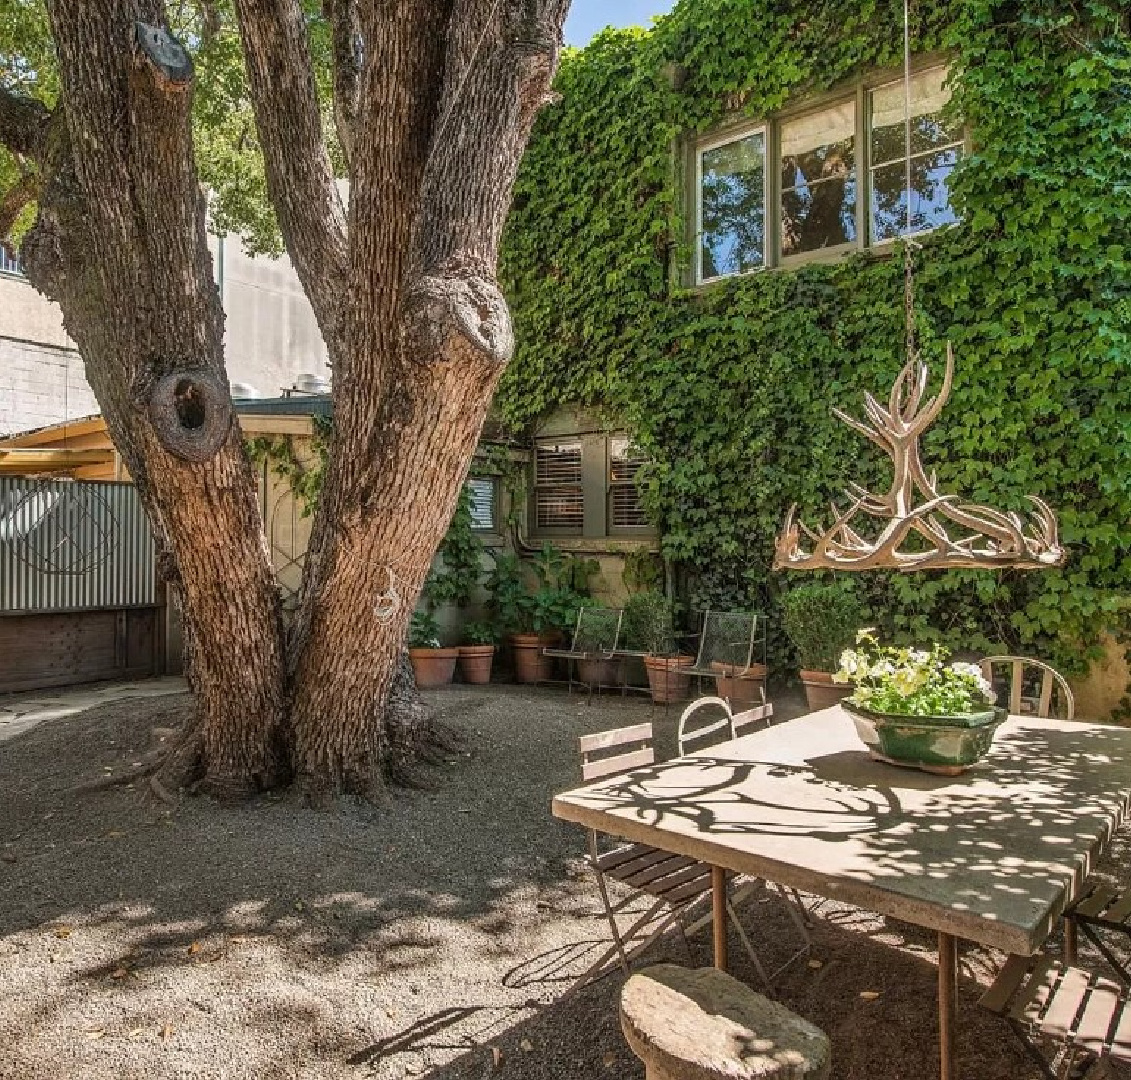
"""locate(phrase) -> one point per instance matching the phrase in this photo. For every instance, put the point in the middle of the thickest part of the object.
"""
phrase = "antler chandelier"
(953, 533)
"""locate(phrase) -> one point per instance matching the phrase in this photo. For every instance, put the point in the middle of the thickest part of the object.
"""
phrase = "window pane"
(558, 499)
(935, 146)
(818, 179)
(625, 510)
(929, 130)
(732, 196)
(557, 463)
(559, 508)
(482, 503)
(930, 199)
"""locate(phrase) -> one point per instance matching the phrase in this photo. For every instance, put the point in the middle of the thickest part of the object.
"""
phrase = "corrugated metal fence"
(73, 545)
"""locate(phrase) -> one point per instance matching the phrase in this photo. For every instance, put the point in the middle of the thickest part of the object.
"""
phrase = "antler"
(994, 539)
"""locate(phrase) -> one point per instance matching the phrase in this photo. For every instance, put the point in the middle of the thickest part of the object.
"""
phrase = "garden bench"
(703, 1024)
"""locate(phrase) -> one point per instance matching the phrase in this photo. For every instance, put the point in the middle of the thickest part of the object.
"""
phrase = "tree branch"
(501, 59)
(23, 121)
(300, 179)
(348, 52)
(15, 199)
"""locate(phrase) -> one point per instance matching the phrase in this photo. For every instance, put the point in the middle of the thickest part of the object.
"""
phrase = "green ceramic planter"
(940, 744)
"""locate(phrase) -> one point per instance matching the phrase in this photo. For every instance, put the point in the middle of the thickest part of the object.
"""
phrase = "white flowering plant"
(911, 682)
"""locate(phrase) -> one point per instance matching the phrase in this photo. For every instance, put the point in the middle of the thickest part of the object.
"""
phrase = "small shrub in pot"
(432, 664)
(477, 653)
(821, 621)
(648, 626)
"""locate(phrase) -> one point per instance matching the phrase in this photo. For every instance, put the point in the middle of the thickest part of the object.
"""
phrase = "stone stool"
(705, 1025)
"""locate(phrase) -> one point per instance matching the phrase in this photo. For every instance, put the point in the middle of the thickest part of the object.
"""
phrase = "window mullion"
(863, 168)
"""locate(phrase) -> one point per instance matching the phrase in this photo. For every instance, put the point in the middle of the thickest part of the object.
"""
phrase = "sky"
(586, 17)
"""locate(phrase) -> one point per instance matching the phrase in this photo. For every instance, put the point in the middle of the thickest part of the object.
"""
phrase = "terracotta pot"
(742, 691)
(433, 667)
(668, 682)
(599, 672)
(475, 663)
(530, 666)
(820, 690)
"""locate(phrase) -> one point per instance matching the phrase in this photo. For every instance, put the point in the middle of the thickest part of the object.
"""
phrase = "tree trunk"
(437, 98)
(120, 244)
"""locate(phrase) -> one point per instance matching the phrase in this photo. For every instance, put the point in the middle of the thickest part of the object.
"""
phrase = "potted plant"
(648, 626)
(538, 619)
(912, 707)
(477, 653)
(821, 621)
(432, 664)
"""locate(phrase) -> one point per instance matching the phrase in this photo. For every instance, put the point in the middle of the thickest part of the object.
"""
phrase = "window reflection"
(818, 180)
(733, 207)
(936, 143)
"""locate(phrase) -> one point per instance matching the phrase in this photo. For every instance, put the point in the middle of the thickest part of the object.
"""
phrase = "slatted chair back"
(608, 753)
(597, 631)
(705, 722)
(728, 638)
(1033, 686)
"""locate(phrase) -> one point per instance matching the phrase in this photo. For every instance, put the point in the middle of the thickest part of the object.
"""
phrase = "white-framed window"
(484, 492)
(731, 201)
(8, 264)
(936, 145)
(829, 179)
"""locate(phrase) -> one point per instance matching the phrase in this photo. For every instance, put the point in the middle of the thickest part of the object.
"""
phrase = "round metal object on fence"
(59, 527)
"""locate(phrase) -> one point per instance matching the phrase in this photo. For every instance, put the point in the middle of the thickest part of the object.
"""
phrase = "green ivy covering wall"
(729, 387)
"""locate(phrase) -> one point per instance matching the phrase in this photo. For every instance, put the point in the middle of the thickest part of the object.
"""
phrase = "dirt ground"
(432, 936)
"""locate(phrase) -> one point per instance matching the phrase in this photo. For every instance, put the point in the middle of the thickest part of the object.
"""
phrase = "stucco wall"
(271, 338)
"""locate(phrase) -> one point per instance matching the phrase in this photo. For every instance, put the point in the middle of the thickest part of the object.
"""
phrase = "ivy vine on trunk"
(434, 100)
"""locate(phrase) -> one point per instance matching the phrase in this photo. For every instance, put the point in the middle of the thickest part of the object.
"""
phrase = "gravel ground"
(431, 936)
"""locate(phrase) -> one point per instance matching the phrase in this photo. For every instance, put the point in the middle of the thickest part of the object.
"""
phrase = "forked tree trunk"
(436, 99)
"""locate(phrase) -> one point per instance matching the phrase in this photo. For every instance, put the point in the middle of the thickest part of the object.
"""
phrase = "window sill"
(609, 545)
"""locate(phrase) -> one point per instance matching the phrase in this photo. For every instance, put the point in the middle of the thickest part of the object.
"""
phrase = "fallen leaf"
(167, 1032)
(609, 1059)
(93, 1035)
(869, 995)
(119, 973)
(114, 834)
(62, 931)
(526, 1046)
(496, 1056)
(299, 905)
(137, 1033)
(194, 948)
(815, 964)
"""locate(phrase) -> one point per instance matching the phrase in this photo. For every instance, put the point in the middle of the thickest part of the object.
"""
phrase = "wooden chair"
(1076, 1009)
(1024, 675)
(673, 885)
(730, 726)
(1099, 909)
(596, 638)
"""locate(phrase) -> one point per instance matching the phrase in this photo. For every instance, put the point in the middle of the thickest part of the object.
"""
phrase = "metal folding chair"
(673, 885)
(728, 641)
(1077, 1010)
(701, 735)
(596, 638)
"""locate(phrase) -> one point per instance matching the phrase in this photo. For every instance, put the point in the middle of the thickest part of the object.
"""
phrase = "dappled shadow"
(990, 854)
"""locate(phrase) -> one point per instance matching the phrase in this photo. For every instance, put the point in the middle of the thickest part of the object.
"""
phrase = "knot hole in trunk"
(191, 414)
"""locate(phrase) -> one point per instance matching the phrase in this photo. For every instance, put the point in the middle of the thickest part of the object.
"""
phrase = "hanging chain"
(908, 243)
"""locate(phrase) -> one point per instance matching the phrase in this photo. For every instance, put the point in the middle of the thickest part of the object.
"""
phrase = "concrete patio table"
(992, 855)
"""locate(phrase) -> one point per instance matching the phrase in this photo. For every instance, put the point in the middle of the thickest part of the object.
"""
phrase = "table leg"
(948, 994)
(719, 915)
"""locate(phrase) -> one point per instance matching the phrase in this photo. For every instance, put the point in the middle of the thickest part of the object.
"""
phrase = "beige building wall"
(271, 338)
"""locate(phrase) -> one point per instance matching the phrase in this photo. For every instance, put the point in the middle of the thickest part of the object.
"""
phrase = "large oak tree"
(433, 102)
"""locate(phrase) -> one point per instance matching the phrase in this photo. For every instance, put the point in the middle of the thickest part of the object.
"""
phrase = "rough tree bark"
(435, 100)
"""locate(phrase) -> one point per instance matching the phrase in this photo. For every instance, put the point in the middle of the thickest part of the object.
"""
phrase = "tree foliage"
(729, 387)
